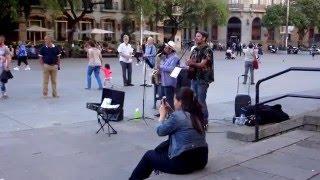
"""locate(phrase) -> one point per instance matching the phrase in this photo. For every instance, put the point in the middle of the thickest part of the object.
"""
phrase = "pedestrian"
(50, 60)
(250, 55)
(94, 64)
(5, 60)
(107, 74)
(170, 61)
(149, 56)
(186, 150)
(201, 70)
(125, 57)
(22, 56)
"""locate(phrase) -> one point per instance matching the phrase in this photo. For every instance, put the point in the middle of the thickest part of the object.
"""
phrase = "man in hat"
(171, 61)
(201, 69)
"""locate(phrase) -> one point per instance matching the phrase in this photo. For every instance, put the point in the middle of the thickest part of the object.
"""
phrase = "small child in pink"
(107, 74)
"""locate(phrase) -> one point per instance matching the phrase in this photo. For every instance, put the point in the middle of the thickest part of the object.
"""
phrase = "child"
(107, 74)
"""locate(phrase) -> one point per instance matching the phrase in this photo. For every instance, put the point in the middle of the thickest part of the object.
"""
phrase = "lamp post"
(287, 24)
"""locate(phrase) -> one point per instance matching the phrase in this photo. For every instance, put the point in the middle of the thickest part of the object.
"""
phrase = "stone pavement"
(55, 138)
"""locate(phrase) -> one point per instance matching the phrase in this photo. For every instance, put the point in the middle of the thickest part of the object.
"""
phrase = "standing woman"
(249, 56)
(186, 150)
(5, 59)
(94, 64)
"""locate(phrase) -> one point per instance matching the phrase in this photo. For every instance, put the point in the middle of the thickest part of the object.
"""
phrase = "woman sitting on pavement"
(187, 149)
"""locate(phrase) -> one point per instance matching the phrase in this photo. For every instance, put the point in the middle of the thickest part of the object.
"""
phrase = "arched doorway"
(256, 29)
(234, 30)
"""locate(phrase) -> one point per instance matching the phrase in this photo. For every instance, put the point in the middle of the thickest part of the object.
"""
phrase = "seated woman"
(187, 149)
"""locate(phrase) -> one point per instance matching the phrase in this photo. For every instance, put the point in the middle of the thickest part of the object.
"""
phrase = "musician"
(171, 60)
(201, 70)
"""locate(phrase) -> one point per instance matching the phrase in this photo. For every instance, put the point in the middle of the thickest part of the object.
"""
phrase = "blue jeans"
(200, 88)
(96, 70)
(2, 85)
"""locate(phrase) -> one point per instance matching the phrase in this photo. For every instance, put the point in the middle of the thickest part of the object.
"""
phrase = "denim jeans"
(248, 67)
(200, 88)
(2, 85)
(96, 70)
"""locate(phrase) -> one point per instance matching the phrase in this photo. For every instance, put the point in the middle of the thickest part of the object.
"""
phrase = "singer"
(201, 70)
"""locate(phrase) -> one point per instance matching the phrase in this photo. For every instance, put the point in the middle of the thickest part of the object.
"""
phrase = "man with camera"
(201, 69)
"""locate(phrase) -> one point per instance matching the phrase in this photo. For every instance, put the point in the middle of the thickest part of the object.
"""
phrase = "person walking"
(50, 60)
(22, 56)
(201, 70)
(186, 150)
(94, 64)
(249, 56)
(125, 57)
(5, 60)
(171, 61)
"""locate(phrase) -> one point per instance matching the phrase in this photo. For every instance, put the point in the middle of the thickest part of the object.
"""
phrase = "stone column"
(22, 30)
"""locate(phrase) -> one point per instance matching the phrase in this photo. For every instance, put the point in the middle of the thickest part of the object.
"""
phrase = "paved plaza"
(55, 138)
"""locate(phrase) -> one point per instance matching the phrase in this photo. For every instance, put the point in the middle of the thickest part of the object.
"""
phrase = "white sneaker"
(16, 68)
(27, 68)
(4, 95)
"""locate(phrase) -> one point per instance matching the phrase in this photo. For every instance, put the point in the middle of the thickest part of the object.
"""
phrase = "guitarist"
(201, 70)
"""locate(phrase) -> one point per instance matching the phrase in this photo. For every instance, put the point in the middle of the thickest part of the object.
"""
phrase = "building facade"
(244, 24)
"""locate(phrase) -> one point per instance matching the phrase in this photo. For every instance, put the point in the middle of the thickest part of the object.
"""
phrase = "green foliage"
(275, 16)
(14, 9)
(189, 11)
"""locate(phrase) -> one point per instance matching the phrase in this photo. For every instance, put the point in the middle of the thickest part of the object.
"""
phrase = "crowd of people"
(183, 113)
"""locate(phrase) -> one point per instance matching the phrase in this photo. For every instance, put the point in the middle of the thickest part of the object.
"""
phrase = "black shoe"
(252, 83)
(157, 115)
(130, 84)
(244, 83)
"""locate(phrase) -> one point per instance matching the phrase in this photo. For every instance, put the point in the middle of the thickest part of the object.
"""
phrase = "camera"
(164, 100)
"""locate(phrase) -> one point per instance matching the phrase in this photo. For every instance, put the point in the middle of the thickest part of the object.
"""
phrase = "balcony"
(236, 7)
(258, 7)
(112, 7)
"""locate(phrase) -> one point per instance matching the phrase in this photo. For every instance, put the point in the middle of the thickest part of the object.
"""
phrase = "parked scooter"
(272, 49)
(292, 50)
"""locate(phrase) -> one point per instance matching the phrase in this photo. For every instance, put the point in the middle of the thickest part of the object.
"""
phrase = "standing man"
(50, 61)
(150, 56)
(5, 59)
(169, 83)
(125, 57)
(201, 70)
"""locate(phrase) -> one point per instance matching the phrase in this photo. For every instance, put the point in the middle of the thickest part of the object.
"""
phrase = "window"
(85, 25)
(234, 2)
(61, 30)
(108, 25)
(35, 36)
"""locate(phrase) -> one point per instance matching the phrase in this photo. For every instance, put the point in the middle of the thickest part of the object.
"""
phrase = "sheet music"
(176, 71)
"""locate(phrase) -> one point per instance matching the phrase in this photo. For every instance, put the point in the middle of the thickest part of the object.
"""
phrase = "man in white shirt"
(125, 57)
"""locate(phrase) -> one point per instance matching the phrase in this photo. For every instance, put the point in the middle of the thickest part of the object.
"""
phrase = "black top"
(49, 55)
(206, 74)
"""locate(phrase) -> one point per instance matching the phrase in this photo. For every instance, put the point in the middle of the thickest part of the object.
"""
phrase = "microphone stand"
(143, 117)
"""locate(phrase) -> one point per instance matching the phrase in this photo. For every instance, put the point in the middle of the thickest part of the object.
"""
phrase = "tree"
(184, 13)
(275, 16)
(12, 12)
(300, 21)
(71, 9)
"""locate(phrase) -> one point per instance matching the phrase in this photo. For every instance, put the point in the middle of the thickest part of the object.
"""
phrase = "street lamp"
(287, 24)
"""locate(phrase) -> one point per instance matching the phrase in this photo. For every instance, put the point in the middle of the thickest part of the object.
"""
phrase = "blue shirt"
(49, 55)
(170, 62)
(151, 52)
(22, 52)
(182, 135)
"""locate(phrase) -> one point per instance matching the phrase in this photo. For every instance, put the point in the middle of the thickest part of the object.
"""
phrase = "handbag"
(255, 64)
(5, 76)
